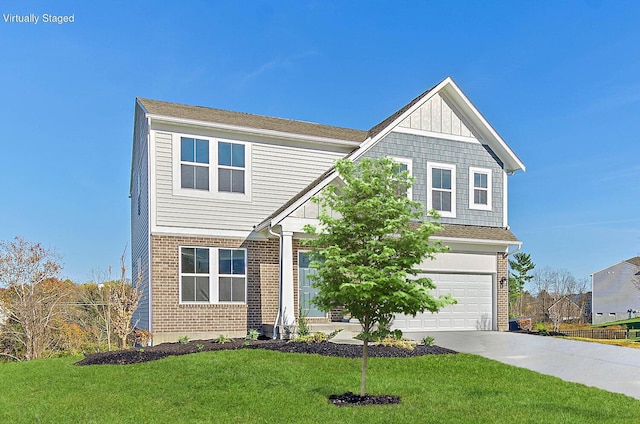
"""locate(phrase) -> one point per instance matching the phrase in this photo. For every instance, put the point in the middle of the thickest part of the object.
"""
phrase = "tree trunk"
(363, 378)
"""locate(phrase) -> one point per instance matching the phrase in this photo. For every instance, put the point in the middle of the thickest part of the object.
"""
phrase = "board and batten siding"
(140, 221)
(464, 155)
(436, 115)
(278, 172)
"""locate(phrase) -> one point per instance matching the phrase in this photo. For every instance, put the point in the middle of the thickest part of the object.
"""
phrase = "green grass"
(256, 386)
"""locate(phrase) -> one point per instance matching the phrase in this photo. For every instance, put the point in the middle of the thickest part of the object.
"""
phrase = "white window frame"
(452, 168)
(472, 188)
(409, 163)
(213, 275)
(213, 192)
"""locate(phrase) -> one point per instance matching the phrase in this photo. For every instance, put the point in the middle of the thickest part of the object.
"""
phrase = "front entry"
(306, 291)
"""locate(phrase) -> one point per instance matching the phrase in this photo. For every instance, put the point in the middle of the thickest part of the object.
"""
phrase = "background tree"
(123, 299)
(370, 239)
(34, 299)
(519, 276)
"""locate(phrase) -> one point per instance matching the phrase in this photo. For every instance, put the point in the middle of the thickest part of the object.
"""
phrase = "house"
(219, 200)
(566, 309)
(616, 291)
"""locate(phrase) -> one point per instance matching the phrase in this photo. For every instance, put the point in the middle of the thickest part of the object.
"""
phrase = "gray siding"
(614, 293)
(140, 221)
(461, 154)
(278, 172)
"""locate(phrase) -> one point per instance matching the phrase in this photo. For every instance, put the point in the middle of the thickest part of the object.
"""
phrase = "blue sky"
(559, 81)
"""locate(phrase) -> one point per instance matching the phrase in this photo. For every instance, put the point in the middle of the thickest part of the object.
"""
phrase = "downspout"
(275, 323)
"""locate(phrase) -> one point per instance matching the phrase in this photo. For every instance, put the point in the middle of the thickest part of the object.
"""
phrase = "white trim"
(489, 173)
(151, 213)
(409, 163)
(255, 131)
(454, 191)
(505, 200)
(213, 192)
(208, 232)
(213, 275)
(433, 134)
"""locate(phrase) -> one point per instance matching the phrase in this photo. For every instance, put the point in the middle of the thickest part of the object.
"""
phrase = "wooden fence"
(600, 333)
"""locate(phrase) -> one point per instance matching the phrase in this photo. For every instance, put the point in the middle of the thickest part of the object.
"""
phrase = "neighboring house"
(219, 200)
(614, 291)
(567, 308)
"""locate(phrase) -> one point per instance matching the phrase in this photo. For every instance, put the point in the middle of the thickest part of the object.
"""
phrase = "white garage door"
(474, 310)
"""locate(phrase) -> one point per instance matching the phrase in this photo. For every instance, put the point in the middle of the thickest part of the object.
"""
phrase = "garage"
(474, 310)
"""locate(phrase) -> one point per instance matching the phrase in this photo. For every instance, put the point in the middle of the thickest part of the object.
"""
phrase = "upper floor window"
(211, 167)
(231, 167)
(480, 188)
(405, 165)
(441, 193)
(200, 282)
(194, 163)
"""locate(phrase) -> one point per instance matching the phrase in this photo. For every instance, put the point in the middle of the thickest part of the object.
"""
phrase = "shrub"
(143, 337)
(401, 343)
(428, 341)
(222, 339)
(540, 327)
(252, 335)
(183, 340)
(304, 329)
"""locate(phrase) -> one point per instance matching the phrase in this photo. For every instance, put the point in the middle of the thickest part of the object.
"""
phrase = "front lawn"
(256, 386)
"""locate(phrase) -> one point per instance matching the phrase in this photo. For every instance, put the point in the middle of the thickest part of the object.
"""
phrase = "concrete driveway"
(612, 368)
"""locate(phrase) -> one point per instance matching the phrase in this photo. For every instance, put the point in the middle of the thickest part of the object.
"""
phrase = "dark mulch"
(152, 353)
(352, 399)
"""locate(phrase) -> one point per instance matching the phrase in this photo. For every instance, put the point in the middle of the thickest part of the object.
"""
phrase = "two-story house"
(616, 291)
(219, 200)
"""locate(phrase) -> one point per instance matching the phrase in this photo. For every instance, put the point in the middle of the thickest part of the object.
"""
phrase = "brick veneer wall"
(169, 317)
(503, 293)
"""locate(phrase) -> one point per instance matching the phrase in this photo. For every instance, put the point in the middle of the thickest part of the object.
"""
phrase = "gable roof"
(157, 108)
(634, 261)
(449, 88)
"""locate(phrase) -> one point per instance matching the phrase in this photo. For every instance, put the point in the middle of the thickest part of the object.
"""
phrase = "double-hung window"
(194, 163)
(405, 165)
(213, 275)
(441, 194)
(211, 167)
(231, 167)
(480, 188)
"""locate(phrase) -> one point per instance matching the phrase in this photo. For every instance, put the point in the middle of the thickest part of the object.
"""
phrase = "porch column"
(286, 279)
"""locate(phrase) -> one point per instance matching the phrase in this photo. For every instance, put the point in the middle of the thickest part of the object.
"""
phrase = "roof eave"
(254, 131)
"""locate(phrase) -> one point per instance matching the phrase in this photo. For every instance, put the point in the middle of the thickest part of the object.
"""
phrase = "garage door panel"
(472, 312)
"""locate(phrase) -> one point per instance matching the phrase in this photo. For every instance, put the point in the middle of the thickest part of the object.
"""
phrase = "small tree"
(519, 276)
(34, 299)
(366, 248)
(123, 299)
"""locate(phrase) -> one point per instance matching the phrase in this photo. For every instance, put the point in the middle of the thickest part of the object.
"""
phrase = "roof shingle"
(248, 120)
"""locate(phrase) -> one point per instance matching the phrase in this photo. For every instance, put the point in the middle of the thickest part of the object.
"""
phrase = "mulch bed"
(152, 353)
(351, 399)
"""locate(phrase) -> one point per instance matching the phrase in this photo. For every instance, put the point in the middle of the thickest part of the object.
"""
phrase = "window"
(405, 165)
(200, 282)
(232, 275)
(441, 195)
(230, 167)
(480, 188)
(211, 168)
(194, 163)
